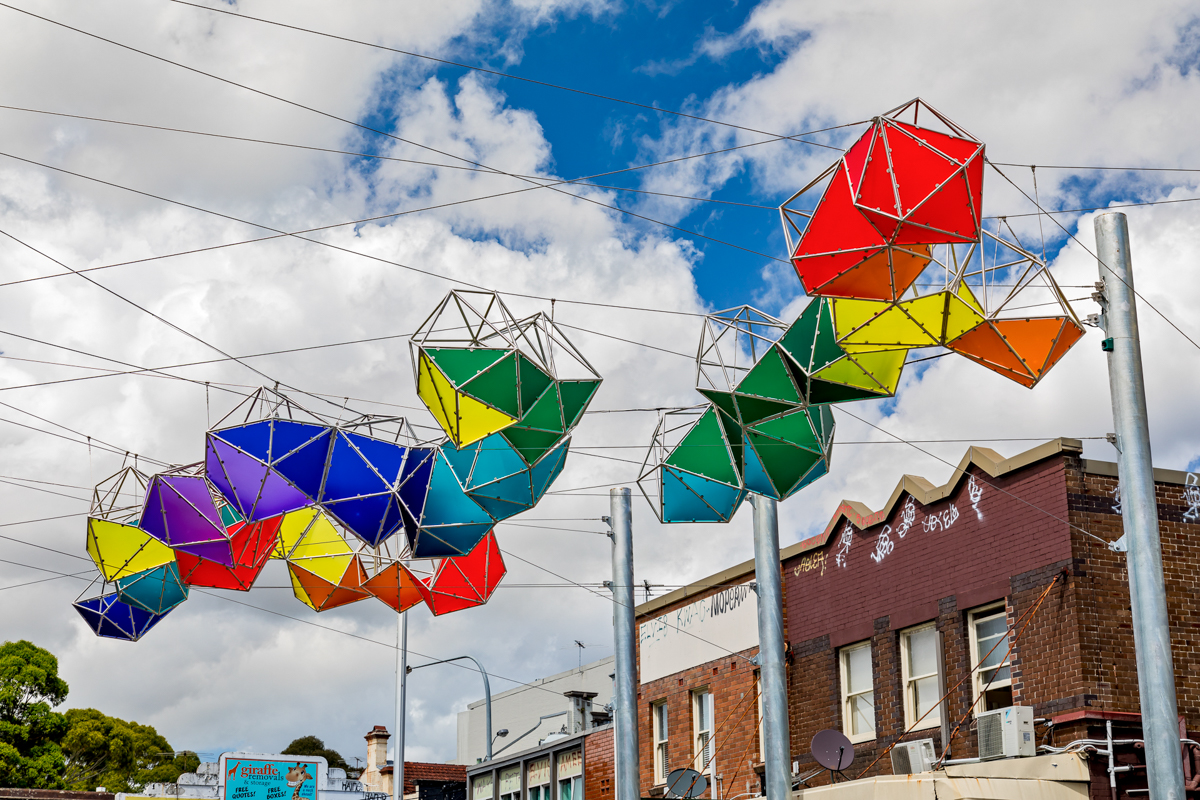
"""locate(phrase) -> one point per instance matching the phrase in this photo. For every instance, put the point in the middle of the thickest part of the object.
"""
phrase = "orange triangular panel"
(984, 344)
(396, 587)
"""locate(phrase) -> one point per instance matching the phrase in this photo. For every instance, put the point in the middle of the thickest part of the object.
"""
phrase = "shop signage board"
(710, 628)
(261, 776)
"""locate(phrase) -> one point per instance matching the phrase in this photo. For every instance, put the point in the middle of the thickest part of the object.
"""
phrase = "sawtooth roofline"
(924, 492)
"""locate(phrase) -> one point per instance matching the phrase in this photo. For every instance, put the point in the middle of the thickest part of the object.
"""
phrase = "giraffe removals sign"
(706, 630)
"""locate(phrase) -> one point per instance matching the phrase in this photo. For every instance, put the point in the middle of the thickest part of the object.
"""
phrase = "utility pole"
(773, 676)
(1139, 510)
(625, 699)
(401, 681)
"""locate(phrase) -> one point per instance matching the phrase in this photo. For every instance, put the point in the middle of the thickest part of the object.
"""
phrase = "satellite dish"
(832, 750)
(686, 783)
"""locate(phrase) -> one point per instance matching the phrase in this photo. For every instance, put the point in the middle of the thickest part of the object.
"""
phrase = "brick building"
(886, 611)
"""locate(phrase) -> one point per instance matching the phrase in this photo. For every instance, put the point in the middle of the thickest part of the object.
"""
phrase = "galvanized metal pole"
(1139, 511)
(773, 681)
(624, 630)
(401, 684)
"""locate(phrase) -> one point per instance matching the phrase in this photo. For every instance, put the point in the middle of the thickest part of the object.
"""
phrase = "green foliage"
(30, 730)
(312, 746)
(121, 756)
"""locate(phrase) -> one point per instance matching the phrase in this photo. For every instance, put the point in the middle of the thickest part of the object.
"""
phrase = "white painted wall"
(518, 710)
(703, 631)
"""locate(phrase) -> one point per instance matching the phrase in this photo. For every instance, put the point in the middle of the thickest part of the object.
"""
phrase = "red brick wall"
(598, 762)
(1108, 666)
(731, 679)
(999, 547)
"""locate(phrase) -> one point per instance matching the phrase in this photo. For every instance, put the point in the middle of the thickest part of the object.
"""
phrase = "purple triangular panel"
(246, 474)
(194, 489)
(278, 497)
(220, 552)
(152, 521)
(216, 472)
(187, 526)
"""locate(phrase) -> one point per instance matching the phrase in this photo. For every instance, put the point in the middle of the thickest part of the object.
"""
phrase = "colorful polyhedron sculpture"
(324, 568)
(897, 190)
(903, 204)
(111, 618)
(465, 581)
(182, 510)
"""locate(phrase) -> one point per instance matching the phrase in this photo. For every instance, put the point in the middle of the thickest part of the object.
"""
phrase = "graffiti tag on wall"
(844, 543)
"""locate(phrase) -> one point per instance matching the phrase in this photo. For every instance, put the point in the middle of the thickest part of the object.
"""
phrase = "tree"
(312, 746)
(30, 730)
(121, 756)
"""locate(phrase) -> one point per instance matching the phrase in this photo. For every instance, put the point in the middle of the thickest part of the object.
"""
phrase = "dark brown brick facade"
(1009, 532)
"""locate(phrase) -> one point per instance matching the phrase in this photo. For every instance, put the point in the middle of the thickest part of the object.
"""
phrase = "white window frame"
(762, 750)
(934, 719)
(847, 716)
(543, 790)
(702, 697)
(977, 681)
(660, 721)
(516, 795)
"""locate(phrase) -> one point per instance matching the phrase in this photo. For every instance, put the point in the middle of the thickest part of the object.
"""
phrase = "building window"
(702, 716)
(662, 763)
(990, 650)
(481, 787)
(858, 692)
(510, 783)
(762, 738)
(537, 779)
(919, 653)
(570, 775)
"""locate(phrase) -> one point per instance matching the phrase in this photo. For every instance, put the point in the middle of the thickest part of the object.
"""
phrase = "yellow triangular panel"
(961, 314)
(464, 419)
(891, 330)
(122, 550)
(851, 314)
(438, 395)
(476, 421)
(965, 294)
(930, 313)
(846, 372)
(884, 366)
(298, 590)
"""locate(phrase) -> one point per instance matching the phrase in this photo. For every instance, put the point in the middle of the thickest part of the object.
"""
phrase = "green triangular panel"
(796, 429)
(798, 340)
(825, 348)
(575, 397)
(785, 465)
(733, 435)
(770, 378)
(753, 409)
(497, 386)
(703, 451)
(546, 414)
(532, 445)
(722, 400)
(459, 365)
(533, 382)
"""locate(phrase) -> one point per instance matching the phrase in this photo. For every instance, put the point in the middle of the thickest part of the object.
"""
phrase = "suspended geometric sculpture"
(450, 523)
(121, 551)
(897, 190)
(496, 476)
(111, 618)
(480, 370)
(324, 568)
(252, 544)
(396, 586)
(465, 581)
(182, 511)
(273, 466)
(156, 590)
(694, 476)
(898, 242)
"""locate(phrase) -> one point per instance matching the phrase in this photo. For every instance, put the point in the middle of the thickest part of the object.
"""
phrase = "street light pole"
(1139, 511)
(401, 680)
(625, 697)
(773, 675)
(487, 692)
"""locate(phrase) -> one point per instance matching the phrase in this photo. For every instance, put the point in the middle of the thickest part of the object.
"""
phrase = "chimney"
(377, 741)
(580, 713)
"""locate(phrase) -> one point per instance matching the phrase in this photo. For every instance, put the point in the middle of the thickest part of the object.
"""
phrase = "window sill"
(926, 726)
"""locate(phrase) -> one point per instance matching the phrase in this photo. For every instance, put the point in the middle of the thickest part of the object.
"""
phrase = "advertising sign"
(708, 629)
(256, 776)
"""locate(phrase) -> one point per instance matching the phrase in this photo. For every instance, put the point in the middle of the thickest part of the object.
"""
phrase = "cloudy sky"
(1071, 84)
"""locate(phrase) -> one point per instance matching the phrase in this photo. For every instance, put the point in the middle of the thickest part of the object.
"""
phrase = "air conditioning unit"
(911, 757)
(1006, 733)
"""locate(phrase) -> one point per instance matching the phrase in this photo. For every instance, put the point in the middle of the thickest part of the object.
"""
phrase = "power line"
(1096, 208)
(1118, 169)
